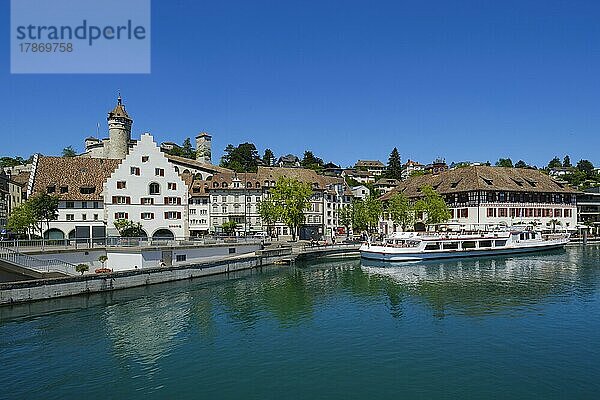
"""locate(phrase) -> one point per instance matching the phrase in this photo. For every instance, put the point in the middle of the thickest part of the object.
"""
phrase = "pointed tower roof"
(119, 110)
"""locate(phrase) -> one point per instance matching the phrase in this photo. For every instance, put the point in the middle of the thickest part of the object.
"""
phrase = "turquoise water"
(513, 328)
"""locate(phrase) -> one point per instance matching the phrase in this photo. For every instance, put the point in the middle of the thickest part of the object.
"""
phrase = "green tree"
(44, 208)
(394, 167)
(433, 205)
(585, 166)
(521, 164)
(82, 268)
(12, 162)
(22, 219)
(187, 150)
(311, 162)
(554, 163)
(229, 227)
(366, 213)
(504, 162)
(103, 260)
(567, 162)
(269, 212)
(401, 211)
(293, 199)
(345, 218)
(68, 152)
(243, 158)
(129, 228)
(268, 158)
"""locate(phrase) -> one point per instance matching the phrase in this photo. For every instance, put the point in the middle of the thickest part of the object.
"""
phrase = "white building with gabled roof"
(146, 188)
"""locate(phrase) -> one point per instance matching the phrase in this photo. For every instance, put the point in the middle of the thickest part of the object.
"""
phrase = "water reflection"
(144, 329)
(490, 285)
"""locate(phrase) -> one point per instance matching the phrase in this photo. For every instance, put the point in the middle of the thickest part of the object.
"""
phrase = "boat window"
(433, 246)
(468, 245)
(485, 243)
(500, 243)
(451, 246)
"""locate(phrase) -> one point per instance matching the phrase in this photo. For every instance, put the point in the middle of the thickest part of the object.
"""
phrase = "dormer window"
(531, 182)
(51, 189)
(64, 189)
(87, 190)
(224, 184)
(488, 181)
(215, 184)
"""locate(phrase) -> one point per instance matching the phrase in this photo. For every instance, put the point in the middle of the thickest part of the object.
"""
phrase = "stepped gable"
(481, 177)
(73, 178)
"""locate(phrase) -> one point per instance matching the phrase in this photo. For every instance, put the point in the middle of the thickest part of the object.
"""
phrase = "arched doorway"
(54, 234)
(163, 234)
(72, 234)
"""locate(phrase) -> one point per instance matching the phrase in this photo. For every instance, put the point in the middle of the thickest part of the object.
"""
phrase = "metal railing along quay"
(29, 262)
(91, 243)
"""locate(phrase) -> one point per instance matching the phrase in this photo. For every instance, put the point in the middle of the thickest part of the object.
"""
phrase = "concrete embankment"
(42, 289)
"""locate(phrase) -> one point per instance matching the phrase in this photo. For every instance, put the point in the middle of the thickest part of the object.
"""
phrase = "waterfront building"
(199, 207)
(411, 166)
(78, 183)
(385, 185)
(360, 192)
(374, 167)
(234, 197)
(4, 200)
(588, 209)
(496, 195)
(146, 188)
(119, 139)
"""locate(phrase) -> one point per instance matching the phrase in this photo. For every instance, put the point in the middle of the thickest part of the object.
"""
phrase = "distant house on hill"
(289, 161)
(374, 167)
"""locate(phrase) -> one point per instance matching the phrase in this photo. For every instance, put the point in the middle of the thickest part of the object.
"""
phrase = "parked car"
(261, 235)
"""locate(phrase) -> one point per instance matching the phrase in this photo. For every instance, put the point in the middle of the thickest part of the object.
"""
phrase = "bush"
(82, 268)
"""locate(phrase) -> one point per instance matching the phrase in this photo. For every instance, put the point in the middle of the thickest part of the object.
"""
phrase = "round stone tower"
(119, 131)
(203, 148)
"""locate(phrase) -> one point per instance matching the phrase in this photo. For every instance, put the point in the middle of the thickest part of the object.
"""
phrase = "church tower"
(203, 148)
(119, 131)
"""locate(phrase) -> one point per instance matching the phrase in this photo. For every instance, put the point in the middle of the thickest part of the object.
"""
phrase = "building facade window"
(147, 215)
(121, 184)
(134, 171)
(154, 188)
(172, 186)
(159, 172)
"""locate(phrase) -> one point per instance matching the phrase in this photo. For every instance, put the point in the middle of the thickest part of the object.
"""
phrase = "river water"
(506, 327)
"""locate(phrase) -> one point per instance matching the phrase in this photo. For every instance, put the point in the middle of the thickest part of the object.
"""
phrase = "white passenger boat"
(416, 246)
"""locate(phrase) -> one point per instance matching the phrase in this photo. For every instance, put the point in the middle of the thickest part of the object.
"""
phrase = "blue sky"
(464, 80)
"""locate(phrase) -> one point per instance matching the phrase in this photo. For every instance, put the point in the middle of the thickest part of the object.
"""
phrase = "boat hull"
(380, 253)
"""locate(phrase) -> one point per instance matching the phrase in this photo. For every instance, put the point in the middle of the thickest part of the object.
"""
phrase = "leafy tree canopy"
(129, 228)
(310, 161)
(268, 158)
(555, 163)
(69, 152)
(243, 158)
(585, 166)
(433, 205)
(521, 164)
(567, 161)
(292, 198)
(401, 211)
(504, 162)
